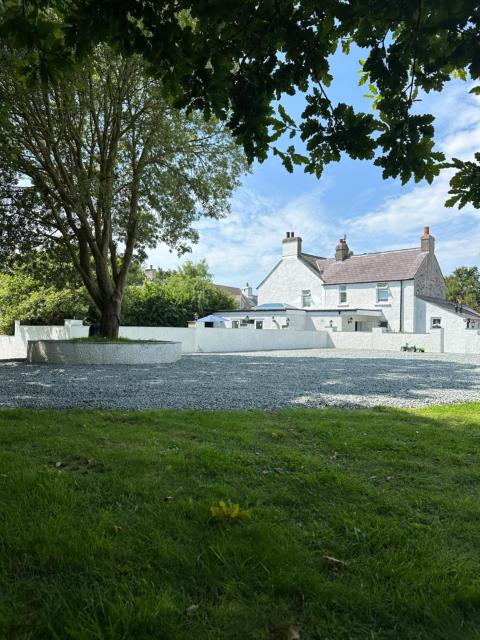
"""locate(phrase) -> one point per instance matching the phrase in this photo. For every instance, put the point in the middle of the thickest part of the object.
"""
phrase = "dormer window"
(342, 294)
(382, 292)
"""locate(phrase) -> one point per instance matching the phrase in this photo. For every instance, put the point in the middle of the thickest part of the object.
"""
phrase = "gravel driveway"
(263, 380)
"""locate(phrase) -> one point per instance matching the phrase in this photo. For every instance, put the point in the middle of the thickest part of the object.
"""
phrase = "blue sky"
(350, 198)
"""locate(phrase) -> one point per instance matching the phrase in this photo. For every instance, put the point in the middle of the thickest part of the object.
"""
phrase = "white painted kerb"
(58, 352)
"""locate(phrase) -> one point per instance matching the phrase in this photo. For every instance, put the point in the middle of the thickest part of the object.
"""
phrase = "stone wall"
(429, 280)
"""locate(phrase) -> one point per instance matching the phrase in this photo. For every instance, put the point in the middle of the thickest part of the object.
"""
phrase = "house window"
(235, 324)
(259, 324)
(306, 298)
(243, 323)
(382, 292)
(435, 323)
(342, 299)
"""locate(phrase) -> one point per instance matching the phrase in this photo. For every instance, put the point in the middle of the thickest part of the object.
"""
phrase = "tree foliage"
(46, 289)
(174, 300)
(236, 59)
(112, 168)
(34, 297)
(465, 184)
(463, 286)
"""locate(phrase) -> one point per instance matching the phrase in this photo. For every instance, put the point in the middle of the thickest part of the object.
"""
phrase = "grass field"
(106, 530)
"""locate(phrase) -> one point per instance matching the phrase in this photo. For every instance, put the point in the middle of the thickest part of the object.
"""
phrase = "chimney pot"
(426, 231)
(292, 235)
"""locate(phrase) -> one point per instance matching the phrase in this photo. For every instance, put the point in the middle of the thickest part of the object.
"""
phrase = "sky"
(350, 198)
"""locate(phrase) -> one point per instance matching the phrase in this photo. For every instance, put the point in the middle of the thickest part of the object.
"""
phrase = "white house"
(397, 291)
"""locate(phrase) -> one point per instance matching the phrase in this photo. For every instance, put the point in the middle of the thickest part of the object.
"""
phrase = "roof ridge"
(372, 253)
(312, 255)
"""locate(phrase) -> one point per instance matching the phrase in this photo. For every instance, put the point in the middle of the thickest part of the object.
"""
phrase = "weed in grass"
(228, 513)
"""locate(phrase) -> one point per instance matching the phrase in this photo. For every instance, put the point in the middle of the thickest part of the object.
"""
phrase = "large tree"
(110, 168)
(235, 59)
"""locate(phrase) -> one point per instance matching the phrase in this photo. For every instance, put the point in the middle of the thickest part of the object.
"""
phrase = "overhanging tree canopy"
(112, 168)
(235, 59)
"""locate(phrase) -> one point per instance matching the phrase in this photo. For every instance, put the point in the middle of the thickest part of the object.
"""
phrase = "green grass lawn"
(106, 531)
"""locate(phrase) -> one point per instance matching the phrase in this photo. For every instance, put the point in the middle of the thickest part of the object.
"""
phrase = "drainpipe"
(401, 305)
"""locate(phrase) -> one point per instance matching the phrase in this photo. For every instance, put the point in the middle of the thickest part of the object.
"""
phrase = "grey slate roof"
(401, 264)
(459, 310)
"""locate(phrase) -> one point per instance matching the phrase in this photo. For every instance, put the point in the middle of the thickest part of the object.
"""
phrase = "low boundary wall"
(218, 340)
(378, 341)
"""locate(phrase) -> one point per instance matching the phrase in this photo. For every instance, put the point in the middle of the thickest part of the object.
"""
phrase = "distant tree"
(463, 286)
(237, 59)
(108, 168)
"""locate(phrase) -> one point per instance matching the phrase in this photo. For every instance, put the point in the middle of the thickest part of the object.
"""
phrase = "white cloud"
(246, 244)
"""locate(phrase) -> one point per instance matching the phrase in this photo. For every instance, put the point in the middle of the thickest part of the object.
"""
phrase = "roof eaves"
(466, 312)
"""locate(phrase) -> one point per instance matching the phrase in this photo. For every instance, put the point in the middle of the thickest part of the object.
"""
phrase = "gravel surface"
(261, 380)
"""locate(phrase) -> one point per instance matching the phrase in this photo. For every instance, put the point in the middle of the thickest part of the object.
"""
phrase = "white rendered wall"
(364, 296)
(11, 348)
(378, 341)
(229, 340)
(287, 282)
(176, 334)
(458, 339)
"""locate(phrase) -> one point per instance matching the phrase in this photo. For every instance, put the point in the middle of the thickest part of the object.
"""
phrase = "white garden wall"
(378, 341)
(453, 340)
(218, 340)
(177, 334)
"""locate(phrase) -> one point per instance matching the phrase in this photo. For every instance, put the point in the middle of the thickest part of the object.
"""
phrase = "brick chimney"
(342, 252)
(291, 245)
(427, 242)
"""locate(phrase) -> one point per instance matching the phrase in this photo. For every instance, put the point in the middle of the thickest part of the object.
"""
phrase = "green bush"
(23, 298)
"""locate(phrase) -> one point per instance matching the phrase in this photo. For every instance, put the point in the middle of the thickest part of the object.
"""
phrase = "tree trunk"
(110, 319)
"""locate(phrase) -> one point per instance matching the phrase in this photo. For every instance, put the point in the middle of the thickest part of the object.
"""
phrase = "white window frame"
(235, 324)
(342, 293)
(258, 322)
(434, 324)
(383, 286)
(306, 298)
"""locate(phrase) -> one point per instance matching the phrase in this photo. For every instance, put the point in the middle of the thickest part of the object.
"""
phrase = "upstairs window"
(382, 292)
(435, 323)
(342, 294)
(306, 298)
